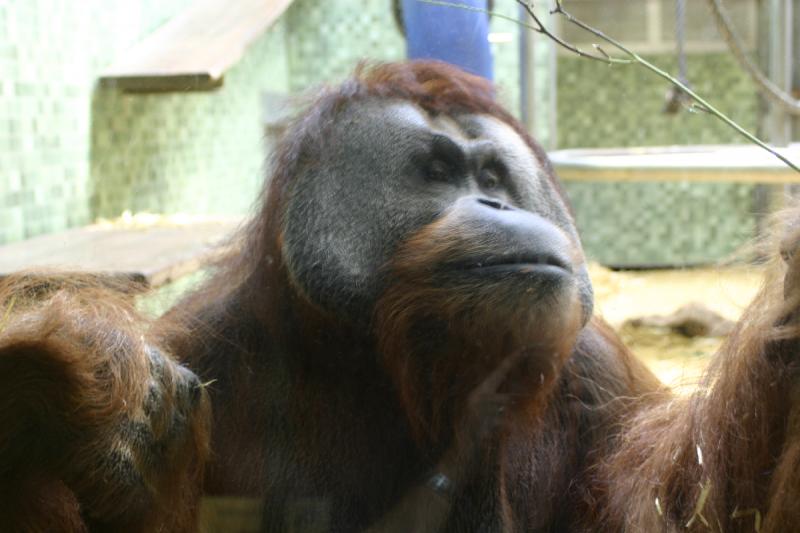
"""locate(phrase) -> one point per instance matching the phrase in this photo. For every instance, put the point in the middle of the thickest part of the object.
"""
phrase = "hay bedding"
(628, 301)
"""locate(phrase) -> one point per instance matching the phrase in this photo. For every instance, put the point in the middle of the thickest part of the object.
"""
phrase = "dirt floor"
(677, 360)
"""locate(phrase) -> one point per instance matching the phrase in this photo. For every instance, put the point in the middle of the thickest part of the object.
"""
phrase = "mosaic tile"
(661, 224)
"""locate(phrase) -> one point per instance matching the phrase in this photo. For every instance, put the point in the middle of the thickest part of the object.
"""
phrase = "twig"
(771, 91)
(541, 28)
(538, 28)
(698, 108)
(559, 9)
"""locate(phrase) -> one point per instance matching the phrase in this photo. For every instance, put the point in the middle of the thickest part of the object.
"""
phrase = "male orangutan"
(403, 341)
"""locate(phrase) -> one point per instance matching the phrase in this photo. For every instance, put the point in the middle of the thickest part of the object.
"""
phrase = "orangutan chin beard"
(440, 340)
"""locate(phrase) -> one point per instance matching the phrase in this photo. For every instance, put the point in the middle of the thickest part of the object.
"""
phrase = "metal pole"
(538, 80)
(778, 38)
(526, 69)
(680, 39)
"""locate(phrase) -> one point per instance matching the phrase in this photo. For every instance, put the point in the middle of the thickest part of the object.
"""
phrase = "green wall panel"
(50, 54)
(199, 152)
(328, 37)
(655, 224)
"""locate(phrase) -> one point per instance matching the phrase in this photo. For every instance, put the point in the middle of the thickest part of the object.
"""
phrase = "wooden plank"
(153, 255)
(194, 49)
(712, 163)
(164, 83)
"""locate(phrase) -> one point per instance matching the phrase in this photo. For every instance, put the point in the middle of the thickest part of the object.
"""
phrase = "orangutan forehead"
(463, 129)
(466, 126)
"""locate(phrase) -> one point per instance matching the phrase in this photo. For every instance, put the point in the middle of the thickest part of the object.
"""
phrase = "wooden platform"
(151, 255)
(193, 50)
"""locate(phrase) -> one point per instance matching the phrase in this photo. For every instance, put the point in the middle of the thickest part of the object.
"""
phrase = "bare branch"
(600, 49)
(541, 28)
(771, 92)
(559, 10)
(701, 102)
(538, 28)
(698, 108)
(479, 10)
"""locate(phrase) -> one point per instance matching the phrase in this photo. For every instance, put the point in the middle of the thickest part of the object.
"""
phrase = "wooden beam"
(163, 83)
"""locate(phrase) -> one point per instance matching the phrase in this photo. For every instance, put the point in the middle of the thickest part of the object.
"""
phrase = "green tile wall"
(199, 152)
(602, 106)
(328, 37)
(542, 96)
(50, 53)
(654, 224)
(506, 55)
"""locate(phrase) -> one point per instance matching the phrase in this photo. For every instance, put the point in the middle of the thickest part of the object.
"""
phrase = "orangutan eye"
(489, 179)
(438, 170)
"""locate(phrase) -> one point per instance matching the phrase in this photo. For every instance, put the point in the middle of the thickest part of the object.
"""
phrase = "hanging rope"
(676, 98)
(680, 37)
(765, 86)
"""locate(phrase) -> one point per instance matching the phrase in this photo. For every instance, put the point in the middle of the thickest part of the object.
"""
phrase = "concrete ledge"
(699, 163)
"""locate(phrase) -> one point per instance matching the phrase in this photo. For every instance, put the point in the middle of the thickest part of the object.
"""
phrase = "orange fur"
(74, 378)
(594, 443)
(727, 453)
